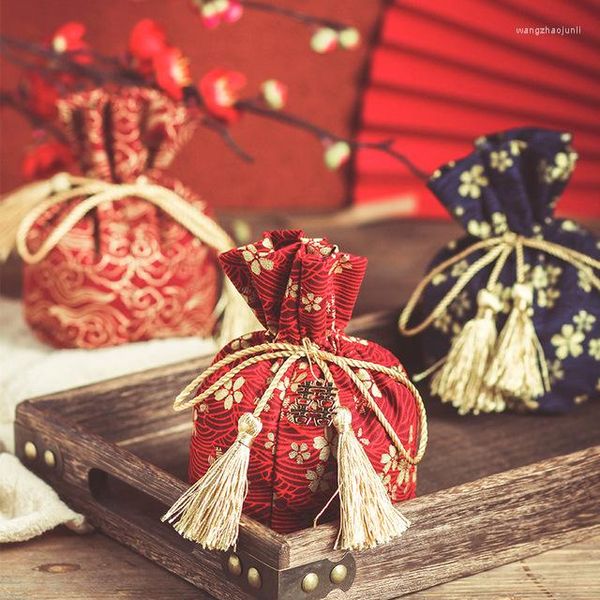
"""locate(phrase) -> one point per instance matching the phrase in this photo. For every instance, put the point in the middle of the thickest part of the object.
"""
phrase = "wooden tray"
(492, 489)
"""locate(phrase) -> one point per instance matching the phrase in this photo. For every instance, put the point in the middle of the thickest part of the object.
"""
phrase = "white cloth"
(28, 368)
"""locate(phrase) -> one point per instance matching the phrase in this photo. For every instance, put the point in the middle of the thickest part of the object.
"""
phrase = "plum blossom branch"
(292, 14)
(324, 135)
(217, 95)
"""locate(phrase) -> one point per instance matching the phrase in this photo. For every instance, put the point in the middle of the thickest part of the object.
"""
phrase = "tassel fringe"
(237, 318)
(519, 367)
(461, 380)
(367, 516)
(209, 512)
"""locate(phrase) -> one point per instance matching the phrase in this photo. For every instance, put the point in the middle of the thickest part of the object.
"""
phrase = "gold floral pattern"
(291, 291)
(594, 348)
(545, 279)
(461, 305)
(299, 452)
(568, 342)
(319, 479)
(324, 444)
(500, 160)
(480, 229)
(342, 263)
(472, 181)
(584, 320)
(459, 268)
(516, 147)
(443, 323)
(311, 302)
(560, 169)
(257, 259)
(270, 442)
(499, 223)
(555, 371)
(231, 392)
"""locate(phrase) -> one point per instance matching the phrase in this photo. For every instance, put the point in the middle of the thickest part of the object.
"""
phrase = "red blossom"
(69, 38)
(46, 159)
(220, 89)
(41, 96)
(172, 71)
(146, 40)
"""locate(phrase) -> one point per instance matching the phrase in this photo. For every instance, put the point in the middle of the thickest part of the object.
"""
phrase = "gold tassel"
(237, 318)
(209, 511)
(461, 378)
(367, 516)
(519, 367)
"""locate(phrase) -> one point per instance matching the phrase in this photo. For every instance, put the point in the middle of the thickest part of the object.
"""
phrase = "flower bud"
(336, 154)
(349, 38)
(274, 93)
(324, 40)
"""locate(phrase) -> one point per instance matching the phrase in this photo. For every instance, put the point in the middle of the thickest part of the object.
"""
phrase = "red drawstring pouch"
(300, 416)
(124, 252)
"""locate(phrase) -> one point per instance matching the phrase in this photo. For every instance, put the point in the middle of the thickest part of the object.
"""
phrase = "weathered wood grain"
(539, 489)
(64, 566)
(475, 526)
(486, 515)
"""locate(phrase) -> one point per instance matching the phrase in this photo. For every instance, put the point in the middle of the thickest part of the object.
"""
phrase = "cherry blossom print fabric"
(511, 182)
(301, 288)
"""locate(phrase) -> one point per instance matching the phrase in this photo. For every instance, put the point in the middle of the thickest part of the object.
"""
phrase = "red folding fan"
(447, 71)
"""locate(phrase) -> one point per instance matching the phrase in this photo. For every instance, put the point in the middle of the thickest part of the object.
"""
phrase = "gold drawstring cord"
(20, 211)
(494, 247)
(276, 350)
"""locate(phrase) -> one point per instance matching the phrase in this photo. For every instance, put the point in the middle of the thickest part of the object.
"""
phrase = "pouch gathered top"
(328, 424)
(510, 313)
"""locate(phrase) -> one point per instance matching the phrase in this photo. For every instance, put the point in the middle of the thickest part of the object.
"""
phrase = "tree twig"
(221, 130)
(385, 146)
(292, 14)
(125, 77)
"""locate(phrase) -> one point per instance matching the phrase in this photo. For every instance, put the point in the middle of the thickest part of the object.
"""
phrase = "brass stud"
(49, 458)
(338, 574)
(234, 565)
(254, 578)
(30, 450)
(310, 582)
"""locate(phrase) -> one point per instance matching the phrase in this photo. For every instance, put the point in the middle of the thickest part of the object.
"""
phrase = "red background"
(288, 171)
(445, 72)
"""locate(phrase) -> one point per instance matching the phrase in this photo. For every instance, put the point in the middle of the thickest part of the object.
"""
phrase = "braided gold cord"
(460, 284)
(273, 350)
(499, 248)
(98, 192)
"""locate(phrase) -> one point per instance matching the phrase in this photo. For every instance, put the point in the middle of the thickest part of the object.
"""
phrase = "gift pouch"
(314, 411)
(512, 309)
(122, 269)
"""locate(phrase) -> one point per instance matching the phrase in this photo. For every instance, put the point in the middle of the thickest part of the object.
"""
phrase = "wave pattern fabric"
(301, 288)
(126, 271)
(511, 182)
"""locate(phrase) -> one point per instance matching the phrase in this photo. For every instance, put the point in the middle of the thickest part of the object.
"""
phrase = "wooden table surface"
(62, 565)
(65, 566)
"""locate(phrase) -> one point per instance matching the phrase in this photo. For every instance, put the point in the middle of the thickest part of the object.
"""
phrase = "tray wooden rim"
(421, 558)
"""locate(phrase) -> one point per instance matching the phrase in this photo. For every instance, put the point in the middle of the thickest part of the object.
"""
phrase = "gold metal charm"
(314, 403)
